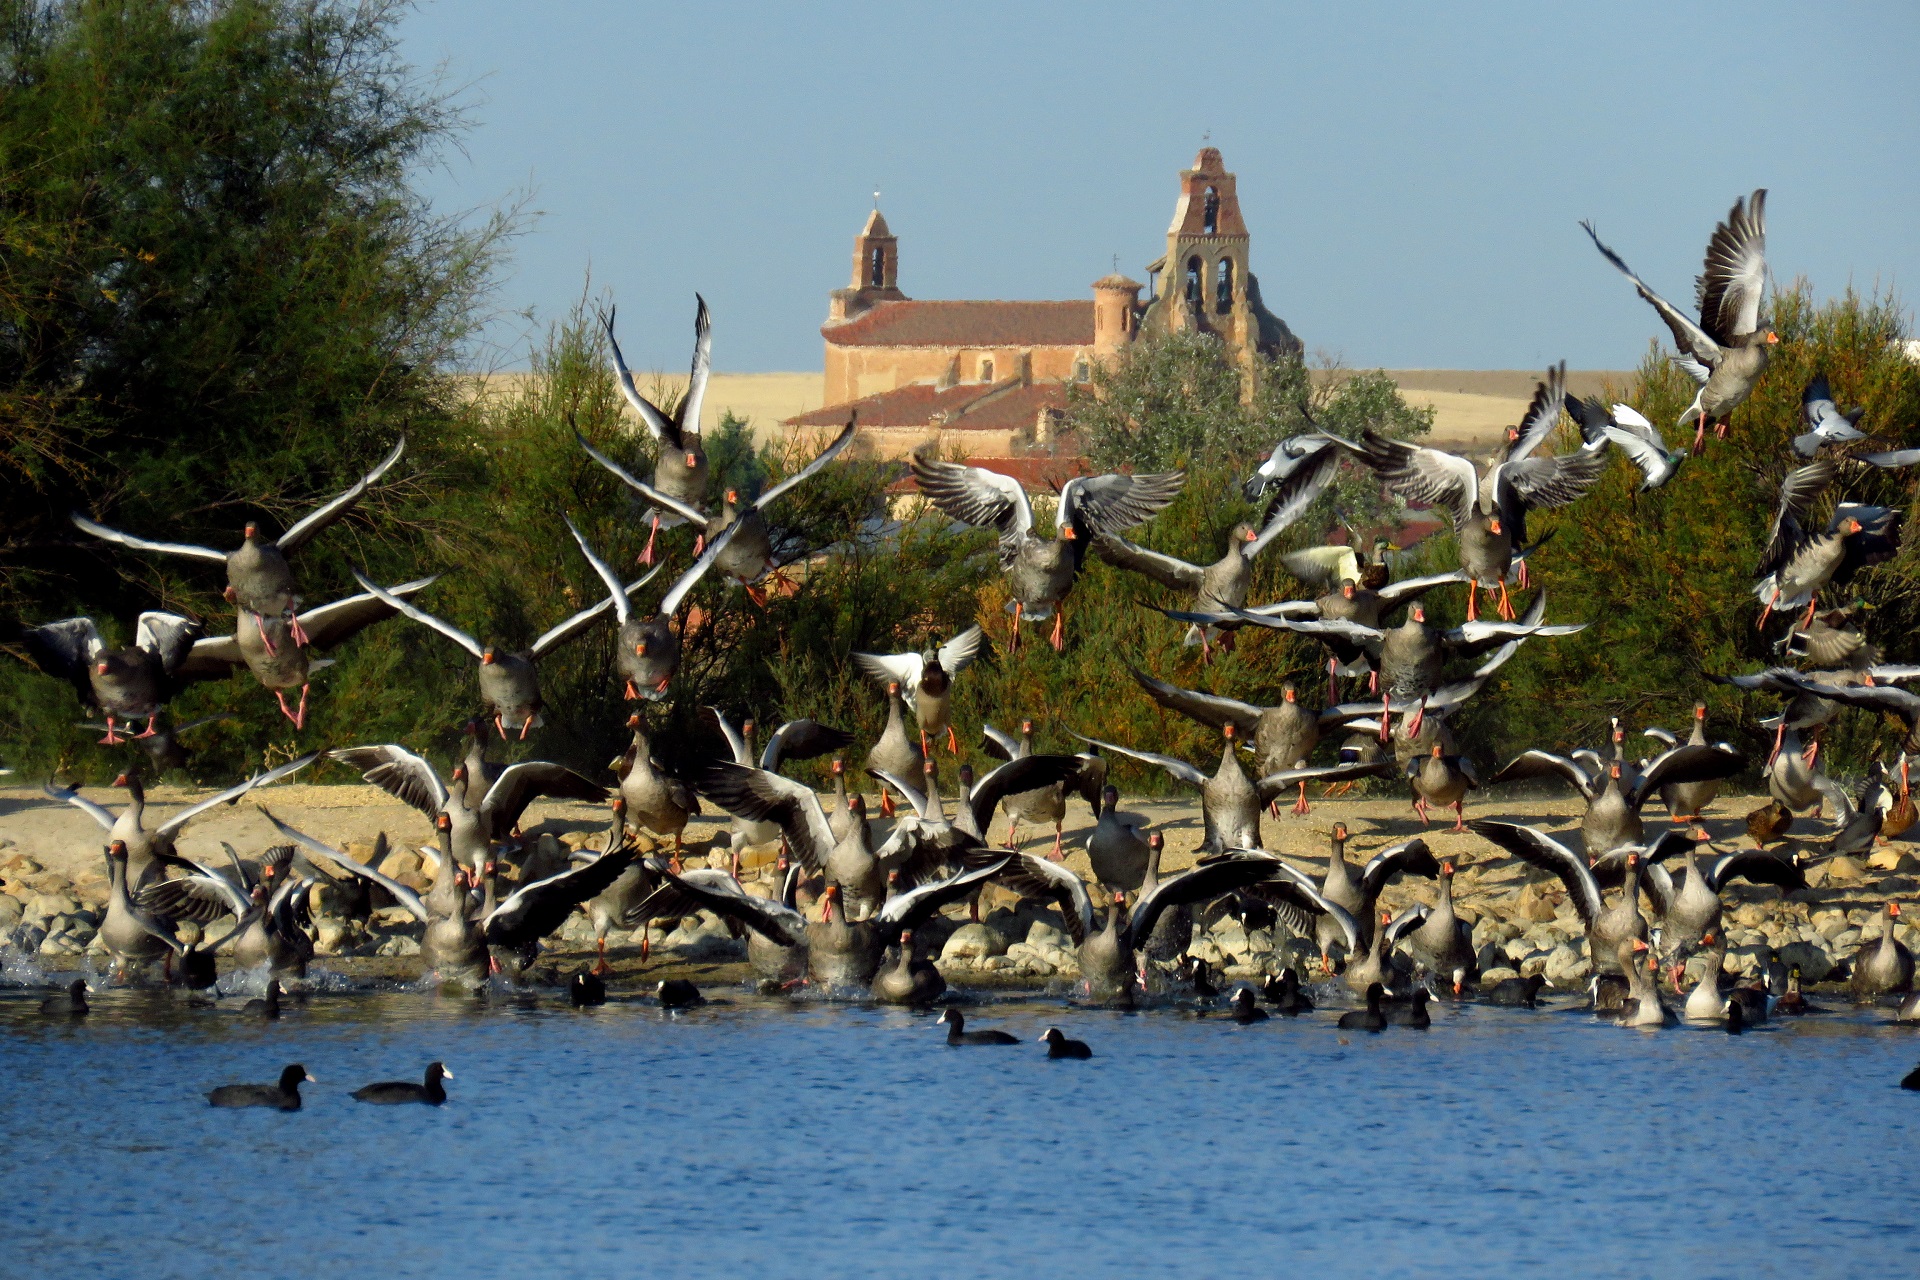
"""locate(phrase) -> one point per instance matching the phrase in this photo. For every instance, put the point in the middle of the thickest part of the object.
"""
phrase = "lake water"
(763, 1137)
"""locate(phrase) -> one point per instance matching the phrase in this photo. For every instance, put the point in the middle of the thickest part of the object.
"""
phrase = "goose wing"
(1395, 594)
(1275, 783)
(1688, 336)
(834, 449)
(1684, 764)
(802, 740)
(720, 893)
(976, 496)
(663, 429)
(1420, 474)
(1755, 867)
(1168, 571)
(1536, 848)
(202, 898)
(327, 512)
(909, 910)
(1115, 503)
(407, 898)
(167, 636)
(1542, 415)
(535, 910)
(1035, 877)
(171, 827)
(1542, 764)
(1326, 566)
(1180, 770)
(889, 668)
(67, 794)
(1013, 778)
(1197, 884)
(419, 615)
(1730, 285)
(685, 510)
(670, 603)
(400, 773)
(1409, 858)
(1000, 743)
(736, 743)
(520, 784)
(1797, 493)
(142, 544)
(1295, 496)
(760, 795)
(1207, 708)
(330, 624)
(567, 629)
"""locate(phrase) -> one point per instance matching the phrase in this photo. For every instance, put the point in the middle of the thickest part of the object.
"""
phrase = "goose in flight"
(1727, 351)
(680, 466)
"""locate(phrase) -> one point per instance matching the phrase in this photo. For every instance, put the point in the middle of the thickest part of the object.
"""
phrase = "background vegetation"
(221, 298)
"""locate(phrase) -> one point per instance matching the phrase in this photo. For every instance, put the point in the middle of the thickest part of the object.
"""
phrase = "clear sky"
(1412, 175)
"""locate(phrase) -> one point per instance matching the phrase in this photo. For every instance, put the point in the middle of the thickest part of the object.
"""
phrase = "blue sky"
(1412, 176)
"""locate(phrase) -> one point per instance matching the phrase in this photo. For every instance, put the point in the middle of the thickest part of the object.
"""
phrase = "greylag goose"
(1614, 802)
(1797, 782)
(1885, 698)
(654, 799)
(1686, 801)
(1040, 571)
(133, 936)
(895, 751)
(925, 680)
(128, 684)
(978, 800)
(1230, 802)
(1442, 778)
(617, 905)
(149, 851)
(1705, 1003)
(1608, 928)
(1221, 587)
(1117, 846)
(259, 579)
(71, 1003)
(1346, 601)
(266, 646)
(284, 1096)
(480, 814)
(1883, 966)
(1641, 1006)
(680, 463)
(845, 955)
(387, 1093)
(1442, 940)
(910, 979)
(647, 650)
(957, 1035)
(794, 811)
(1690, 908)
(1489, 509)
(776, 932)
(509, 682)
(1799, 564)
(1369, 1018)
(1289, 457)
(750, 555)
(1826, 425)
(1045, 805)
(268, 909)
(1358, 894)
(1725, 353)
(1059, 1046)
(1106, 954)
(1639, 439)
(514, 927)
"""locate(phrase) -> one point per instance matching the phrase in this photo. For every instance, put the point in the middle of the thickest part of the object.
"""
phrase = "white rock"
(1042, 934)
(1566, 965)
(1029, 959)
(398, 944)
(996, 963)
(974, 942)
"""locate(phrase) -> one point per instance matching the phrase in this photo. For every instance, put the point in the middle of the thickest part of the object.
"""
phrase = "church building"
(990, 378)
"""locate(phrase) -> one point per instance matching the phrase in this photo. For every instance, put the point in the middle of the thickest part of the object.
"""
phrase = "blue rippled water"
(764, 1138)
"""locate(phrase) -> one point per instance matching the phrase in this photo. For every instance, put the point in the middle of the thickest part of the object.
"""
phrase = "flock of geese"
(852, 902)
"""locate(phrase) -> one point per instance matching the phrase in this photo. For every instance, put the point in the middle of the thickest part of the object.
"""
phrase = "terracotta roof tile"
(966, 406)
(967, 324)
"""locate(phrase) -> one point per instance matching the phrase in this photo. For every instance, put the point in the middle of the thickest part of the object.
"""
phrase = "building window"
(1193, 280)
(1210, 212)
(877, 267)
(1080, 371)
(986, 370)
(1223, 287)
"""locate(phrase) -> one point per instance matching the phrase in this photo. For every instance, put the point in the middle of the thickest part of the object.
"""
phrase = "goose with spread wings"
(1607, 928)
(647, 649)
(680, 462)
(776, 931)
(1221, 587)
(1040, 571)
(1614, 801)
(266, 907)
(1689, 903)
(1489, 509)
(1108, 968)
(509, 682)
(1046, 805)
(927, 839)
(151, 849)
(926, 680)
(122, 684)
(796, 740)
(1230, 802)
(266, 646)
(1826, 425)
(1628, 428)
(751, 554)
(1347, 601)
(259, 580)
(1727, 351)
(1799, 563)
(481, 813)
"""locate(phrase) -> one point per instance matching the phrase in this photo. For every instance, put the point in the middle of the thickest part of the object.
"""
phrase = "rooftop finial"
(876, 198)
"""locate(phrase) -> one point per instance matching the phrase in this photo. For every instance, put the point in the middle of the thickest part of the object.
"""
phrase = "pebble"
(1567, 965)
(975, 942)
(1844, 870)
(1042, 934)
(1027, 959)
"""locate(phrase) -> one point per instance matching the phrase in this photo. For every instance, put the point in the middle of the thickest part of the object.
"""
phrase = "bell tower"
(876, 271)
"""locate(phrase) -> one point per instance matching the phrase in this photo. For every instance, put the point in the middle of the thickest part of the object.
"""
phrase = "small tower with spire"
(876, 270)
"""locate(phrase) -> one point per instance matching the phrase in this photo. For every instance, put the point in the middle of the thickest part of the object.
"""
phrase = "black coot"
(285, 1095)
(957, 1034)
(1058, 1046)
